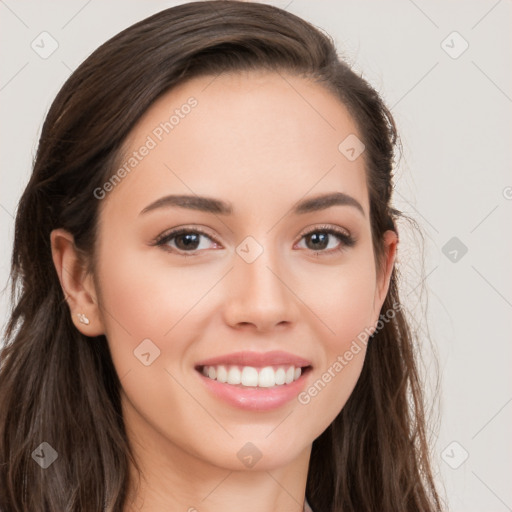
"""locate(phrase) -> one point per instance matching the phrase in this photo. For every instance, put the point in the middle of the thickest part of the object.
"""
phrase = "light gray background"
(454, 116)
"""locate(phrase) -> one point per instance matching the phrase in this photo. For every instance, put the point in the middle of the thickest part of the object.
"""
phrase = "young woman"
(206, 309)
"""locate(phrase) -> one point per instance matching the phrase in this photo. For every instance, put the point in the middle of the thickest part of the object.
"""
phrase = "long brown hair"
(59, 386)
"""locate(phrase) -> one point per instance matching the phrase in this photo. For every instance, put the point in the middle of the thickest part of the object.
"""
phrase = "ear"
(78, 286)
(390, 240)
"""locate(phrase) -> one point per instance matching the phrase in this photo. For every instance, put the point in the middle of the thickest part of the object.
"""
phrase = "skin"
(263, 142)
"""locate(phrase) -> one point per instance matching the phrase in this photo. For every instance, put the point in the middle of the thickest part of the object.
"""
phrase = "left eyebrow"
(208, 204)
(325, 201)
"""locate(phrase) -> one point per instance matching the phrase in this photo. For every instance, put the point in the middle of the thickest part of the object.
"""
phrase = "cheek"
(152, 318)
(142, 301)
(173, 307)
(165, 303)
(343, 301)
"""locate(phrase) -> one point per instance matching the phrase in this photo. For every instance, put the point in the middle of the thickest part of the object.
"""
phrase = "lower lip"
(255, 398)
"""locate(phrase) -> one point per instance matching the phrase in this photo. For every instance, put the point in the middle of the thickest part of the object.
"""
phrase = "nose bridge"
(257, 292)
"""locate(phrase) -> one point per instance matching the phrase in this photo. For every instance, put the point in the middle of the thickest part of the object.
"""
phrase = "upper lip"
(257, 359)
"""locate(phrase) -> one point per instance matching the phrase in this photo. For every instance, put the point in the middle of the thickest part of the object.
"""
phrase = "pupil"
(315, 238)
(188, 239)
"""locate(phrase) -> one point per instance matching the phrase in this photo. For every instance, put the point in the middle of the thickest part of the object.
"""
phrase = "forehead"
(251, 135)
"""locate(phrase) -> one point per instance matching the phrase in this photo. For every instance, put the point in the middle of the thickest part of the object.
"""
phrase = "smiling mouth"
(253, 377)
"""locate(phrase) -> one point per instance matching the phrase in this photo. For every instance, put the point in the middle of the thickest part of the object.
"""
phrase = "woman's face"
(257, 278)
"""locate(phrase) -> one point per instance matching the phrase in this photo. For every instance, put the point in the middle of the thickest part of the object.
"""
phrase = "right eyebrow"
(205, 204)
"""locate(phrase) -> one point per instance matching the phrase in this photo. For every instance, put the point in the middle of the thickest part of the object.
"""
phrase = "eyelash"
(346, 240)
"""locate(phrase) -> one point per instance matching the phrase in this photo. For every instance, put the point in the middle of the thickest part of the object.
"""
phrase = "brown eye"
(327, 240)
(187, 241)
(184, 241)
(318, 240)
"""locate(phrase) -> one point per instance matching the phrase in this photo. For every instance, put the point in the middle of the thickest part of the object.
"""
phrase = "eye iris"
(191, 241)
(319, 237)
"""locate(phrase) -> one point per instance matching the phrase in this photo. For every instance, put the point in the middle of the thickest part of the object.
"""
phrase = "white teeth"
(280, 376)
(222, 374)
(267, 377)
(250, 376)
(234, 376)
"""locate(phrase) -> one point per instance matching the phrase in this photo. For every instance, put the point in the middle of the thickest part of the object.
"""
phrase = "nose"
(259, 295)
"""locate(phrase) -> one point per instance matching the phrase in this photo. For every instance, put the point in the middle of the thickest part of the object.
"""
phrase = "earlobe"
(78, 287)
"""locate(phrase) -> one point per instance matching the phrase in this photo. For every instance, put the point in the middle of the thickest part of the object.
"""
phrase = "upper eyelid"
(324, 227)
(174, 232)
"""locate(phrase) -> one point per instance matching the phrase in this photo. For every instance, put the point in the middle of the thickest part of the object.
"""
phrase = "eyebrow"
(217, 206)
